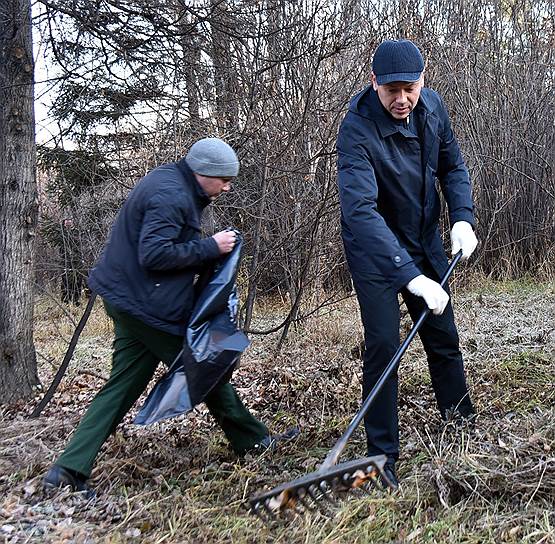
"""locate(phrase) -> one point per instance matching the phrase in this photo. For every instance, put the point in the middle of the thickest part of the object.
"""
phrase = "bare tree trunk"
(18, 202)
(191, 61)
(251, 292)
(225, 80)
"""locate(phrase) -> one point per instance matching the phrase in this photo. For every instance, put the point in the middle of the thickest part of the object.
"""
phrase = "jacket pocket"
(386, 157)
(171, 297)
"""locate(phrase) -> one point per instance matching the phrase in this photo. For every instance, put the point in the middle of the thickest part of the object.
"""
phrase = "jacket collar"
(198, 192)
(367, 104)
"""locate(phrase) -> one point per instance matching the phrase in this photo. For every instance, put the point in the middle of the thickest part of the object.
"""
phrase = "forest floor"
(177, 481)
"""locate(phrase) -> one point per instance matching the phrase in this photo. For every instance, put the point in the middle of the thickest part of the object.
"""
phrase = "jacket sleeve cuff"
(405, 274)
(462, 215)
(211, 249)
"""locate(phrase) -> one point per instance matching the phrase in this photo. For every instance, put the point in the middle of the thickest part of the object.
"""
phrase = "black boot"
(390, 481)
(59, 476)
(272, 441)
(459, 418)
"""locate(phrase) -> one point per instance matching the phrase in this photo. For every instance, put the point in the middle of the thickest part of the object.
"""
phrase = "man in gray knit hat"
(145, 277)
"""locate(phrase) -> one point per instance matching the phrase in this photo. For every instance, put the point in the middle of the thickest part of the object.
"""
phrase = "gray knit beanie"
(213, 157)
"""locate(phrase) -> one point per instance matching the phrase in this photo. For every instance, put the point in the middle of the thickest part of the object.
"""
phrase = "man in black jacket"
(394, 143)
(145, 276)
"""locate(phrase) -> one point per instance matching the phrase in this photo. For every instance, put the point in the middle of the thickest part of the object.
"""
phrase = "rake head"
(309, 490)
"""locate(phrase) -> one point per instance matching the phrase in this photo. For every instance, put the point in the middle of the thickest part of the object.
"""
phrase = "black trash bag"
(211, 350)
(168, 398)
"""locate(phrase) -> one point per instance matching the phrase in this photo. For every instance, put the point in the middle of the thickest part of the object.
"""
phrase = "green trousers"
(138, 349)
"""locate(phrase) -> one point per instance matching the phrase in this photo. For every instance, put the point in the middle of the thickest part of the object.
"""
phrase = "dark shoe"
(59, 476)
(271, 441)
(459, 419)
(390, 480)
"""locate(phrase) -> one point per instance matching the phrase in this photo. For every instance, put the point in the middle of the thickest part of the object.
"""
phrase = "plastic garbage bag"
(169, 397)
(212, 347)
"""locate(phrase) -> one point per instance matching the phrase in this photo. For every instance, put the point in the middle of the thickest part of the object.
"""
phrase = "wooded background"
(140, 81)
(133, 84)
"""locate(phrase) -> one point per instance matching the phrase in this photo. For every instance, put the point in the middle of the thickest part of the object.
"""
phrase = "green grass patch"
(521, 382)
(520, 287)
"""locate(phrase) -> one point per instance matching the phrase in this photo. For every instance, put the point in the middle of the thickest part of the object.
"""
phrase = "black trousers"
(379, 308)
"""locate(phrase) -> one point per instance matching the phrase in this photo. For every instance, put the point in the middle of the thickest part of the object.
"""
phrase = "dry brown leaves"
(178, 482)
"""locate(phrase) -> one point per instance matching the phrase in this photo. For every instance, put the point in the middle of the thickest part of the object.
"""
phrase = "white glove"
(463, 237)
(431, 291)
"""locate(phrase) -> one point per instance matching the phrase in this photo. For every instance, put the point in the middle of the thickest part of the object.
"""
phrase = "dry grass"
(178, 482)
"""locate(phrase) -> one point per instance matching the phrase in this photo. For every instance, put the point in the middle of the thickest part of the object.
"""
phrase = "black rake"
(306, 492)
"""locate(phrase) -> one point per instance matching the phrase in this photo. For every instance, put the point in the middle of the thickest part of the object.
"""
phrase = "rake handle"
(333, 456)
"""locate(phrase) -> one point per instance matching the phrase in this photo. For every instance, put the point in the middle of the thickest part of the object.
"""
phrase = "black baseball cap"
(397, 60)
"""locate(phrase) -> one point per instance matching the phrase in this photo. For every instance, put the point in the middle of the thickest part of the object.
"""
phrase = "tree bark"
(18, 202)
(191, 59)
(225, 79)
(251, 291)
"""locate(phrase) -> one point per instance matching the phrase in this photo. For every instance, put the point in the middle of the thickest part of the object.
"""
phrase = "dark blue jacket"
(149, 264)
(387, 171)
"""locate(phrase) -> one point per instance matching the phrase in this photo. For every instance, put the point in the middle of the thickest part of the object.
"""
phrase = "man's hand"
(226, 240)
(463, 237)
(431, 291)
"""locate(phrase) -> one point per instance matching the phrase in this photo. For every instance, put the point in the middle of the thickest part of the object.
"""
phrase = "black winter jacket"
(387, 173)
(148, 266)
